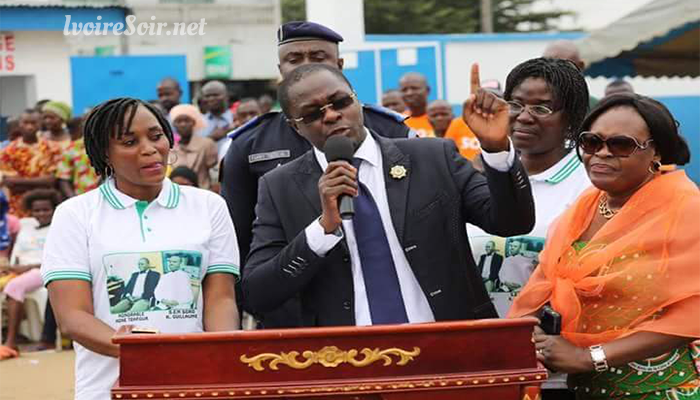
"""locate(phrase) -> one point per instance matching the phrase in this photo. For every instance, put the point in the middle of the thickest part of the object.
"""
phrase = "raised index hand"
(487, 115)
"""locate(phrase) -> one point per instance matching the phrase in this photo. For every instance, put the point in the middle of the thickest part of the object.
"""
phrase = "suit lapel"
(396, 187)
(307, 176)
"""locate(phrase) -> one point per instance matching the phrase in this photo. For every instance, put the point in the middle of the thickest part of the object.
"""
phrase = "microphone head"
(339, 147)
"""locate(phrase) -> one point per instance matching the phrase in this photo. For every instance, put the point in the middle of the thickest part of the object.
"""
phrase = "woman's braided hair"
(567, 83)
(113, 118)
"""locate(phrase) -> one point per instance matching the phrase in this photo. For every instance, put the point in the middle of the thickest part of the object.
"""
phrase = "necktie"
(381, 281)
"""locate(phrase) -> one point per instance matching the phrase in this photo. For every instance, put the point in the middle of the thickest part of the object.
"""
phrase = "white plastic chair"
(33, 323)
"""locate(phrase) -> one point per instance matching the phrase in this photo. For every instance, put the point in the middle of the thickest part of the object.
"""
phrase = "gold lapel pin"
(398, 172)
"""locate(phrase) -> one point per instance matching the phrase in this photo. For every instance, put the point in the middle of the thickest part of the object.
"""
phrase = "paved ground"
(45, 375)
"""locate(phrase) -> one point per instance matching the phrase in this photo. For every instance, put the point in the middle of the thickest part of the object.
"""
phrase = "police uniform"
(268, 141)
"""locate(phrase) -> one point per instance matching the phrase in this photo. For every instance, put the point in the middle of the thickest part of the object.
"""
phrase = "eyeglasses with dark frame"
(618, 145)
(537, 110)
(336, 105)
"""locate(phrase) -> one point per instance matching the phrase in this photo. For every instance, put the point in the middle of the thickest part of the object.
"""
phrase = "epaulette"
(386, 112)
(251, 124)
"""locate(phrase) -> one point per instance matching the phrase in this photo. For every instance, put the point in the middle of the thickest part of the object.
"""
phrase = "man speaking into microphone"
(399, 253)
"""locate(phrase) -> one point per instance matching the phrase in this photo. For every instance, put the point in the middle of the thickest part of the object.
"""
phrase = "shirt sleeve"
(223, 247)
(66, 254)
(501, 161)
(319, 242)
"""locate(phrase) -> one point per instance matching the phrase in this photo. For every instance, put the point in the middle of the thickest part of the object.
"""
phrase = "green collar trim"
(565, 171)
(169, 196)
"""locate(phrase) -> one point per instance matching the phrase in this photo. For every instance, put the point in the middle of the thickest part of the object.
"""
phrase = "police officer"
(268, 141)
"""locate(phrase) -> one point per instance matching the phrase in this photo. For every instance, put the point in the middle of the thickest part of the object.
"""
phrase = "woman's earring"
(108, 171)
(169, 158)
(655, 167)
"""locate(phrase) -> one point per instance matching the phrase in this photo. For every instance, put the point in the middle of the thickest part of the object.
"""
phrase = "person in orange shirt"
(415, 90)
(440, 116)
(464, 138)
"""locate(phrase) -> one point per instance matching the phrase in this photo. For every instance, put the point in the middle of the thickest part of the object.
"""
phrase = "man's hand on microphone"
(339, 179)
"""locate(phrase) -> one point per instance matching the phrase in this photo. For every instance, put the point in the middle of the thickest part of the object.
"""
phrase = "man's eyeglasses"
(618, 146)
(336, 105)
(536, 111)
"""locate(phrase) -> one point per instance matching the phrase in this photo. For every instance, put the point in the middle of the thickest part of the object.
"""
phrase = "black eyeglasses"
(536, 111)
(335, 105)
(618, 146)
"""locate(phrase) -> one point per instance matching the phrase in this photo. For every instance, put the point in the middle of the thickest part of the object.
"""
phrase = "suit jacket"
(496, 262)
(149, 286)
(429, 209)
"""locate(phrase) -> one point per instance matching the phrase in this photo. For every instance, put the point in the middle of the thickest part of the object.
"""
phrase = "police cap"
(298, 31)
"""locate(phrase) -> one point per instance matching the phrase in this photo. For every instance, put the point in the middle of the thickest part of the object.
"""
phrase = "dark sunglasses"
(335, 105)
(618, 146)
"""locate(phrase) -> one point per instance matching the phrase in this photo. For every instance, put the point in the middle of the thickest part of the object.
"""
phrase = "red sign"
(7, 50)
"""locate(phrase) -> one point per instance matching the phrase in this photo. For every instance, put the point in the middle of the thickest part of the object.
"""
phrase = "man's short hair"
(297, 75)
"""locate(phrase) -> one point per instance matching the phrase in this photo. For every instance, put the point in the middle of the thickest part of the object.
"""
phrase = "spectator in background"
(567, 50)
(184, 176)
(193, 151)
(13, 132)
(392, 100)
(55, 115)
(75, 128)
(493, 86)
(169, 94)
(248, 108)
(26, 257)
(440, 116)
(219, 118)
(414, 91)
(266, 102)
(29, 162)
(74, 173)
(618, 86)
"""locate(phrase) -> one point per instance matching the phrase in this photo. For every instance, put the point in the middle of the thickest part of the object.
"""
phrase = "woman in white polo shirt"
(106, 255)
(548, 101)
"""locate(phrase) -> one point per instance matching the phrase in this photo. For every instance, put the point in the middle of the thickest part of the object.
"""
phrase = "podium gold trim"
(330, 357)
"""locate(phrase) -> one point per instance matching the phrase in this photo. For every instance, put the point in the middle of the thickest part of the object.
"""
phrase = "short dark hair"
(107, 120)
(31, 196)
(567, 83)
(187, 173)
(663, 128)
(300, 73)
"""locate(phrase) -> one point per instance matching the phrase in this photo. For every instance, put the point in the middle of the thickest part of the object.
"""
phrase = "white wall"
(45, 56)
(343, 16)
(248, 27)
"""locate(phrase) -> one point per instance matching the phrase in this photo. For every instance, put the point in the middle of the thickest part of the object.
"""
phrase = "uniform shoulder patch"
(384, 111)
(251, 124)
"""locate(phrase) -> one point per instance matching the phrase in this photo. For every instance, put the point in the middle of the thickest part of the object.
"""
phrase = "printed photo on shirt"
(153, 281)
(505, 265)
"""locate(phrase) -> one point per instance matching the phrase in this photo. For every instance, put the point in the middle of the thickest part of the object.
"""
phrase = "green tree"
(441, 16)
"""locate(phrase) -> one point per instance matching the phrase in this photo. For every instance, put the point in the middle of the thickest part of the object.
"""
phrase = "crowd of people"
(537, 194)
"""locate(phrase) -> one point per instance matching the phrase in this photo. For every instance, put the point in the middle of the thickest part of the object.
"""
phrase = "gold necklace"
(604, 209)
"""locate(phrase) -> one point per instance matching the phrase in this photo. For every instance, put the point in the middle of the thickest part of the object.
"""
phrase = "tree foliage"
(441, 16)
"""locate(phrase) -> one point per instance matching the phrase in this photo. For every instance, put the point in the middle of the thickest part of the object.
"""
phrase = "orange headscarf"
(640, 272)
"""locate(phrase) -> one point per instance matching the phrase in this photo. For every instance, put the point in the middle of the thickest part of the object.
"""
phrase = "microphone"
(341, 148)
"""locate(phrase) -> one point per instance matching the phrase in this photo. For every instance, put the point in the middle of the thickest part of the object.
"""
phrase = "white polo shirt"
(553, 190)
(106, 237)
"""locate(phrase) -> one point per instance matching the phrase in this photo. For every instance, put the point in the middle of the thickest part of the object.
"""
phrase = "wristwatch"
(600, 362)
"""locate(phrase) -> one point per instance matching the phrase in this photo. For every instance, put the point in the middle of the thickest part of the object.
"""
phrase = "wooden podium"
(485, 359)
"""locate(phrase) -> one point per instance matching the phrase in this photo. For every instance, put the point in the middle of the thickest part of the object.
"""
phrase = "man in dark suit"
(139, 293)
(492, 262)
(404, 256)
